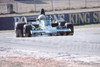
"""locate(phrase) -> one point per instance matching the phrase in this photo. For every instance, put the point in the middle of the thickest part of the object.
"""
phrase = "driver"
(41, 17)
(43, 22)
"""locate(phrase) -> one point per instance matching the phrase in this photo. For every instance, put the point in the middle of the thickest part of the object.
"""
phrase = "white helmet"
(41, 17)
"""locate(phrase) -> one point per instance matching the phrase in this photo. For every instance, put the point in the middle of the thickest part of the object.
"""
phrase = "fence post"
(69, 4)
(35, 5)
(52, 4)
(85, 3)
(17, 7)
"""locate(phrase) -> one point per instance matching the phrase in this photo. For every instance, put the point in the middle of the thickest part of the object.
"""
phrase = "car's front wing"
(48, 31)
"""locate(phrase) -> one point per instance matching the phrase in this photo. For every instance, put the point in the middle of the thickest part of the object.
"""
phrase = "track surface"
(84, 45)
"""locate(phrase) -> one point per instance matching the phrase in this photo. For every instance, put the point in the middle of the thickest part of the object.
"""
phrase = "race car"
(43, 26)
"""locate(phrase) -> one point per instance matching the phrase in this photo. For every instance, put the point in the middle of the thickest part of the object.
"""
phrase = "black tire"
(19, 29)
(27, 30)
(69, 25)
(62, 23)
(61, 34)
(54, 24)
(50, 34)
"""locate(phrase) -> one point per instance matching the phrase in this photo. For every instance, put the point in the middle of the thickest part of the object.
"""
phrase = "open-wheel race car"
(42, 25)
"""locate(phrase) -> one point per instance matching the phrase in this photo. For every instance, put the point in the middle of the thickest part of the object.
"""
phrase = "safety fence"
(20, 6)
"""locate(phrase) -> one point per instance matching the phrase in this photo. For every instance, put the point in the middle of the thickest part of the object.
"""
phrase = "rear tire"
(54, 24)
(62, 23)
(50, 34)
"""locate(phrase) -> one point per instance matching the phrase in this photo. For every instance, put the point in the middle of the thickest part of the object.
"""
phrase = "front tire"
(70, 26)
(27, 30)
(19, 29)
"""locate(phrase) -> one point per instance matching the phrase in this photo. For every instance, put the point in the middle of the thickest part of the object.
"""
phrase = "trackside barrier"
(79, 18)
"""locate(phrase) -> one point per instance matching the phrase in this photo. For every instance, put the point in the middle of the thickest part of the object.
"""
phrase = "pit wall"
(79, 18)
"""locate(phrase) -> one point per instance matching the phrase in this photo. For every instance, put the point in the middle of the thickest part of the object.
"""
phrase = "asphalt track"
(85, 43)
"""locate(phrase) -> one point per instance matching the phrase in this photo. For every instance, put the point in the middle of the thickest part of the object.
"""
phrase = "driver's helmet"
(41, 17)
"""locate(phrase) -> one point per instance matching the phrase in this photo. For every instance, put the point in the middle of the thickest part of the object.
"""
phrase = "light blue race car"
(43, 26)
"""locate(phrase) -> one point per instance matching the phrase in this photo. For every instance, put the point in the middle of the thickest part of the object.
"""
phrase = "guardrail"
(79, 18)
